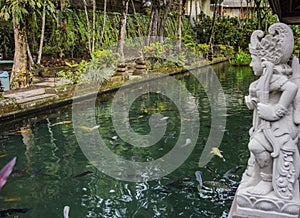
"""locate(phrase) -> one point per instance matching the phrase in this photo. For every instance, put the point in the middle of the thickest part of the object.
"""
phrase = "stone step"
(26, 94)
(42, 97)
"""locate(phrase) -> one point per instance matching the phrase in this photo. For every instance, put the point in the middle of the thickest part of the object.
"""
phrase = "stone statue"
(270, 185)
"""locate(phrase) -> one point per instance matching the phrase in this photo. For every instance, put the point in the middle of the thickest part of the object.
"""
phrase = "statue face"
(256, 65)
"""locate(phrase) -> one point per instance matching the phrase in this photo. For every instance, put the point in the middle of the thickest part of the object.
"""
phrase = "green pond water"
(52, 171)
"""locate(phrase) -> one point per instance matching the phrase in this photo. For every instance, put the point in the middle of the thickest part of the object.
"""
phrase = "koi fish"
(88, 129)
(6, 171)
(114, 137)
(232, 171)
(9, 212)
(217, 152)
(3, 155)
(184, 119)
(66, 211)
(214, 184)
(62, 123)
(38, 172)
(171, 136)
(164, 118)
(135, 118)
(19, 173)
(82, 174)
(12, 199)
(180, 181)
(198, 175)
(23, 131)
(209, 169)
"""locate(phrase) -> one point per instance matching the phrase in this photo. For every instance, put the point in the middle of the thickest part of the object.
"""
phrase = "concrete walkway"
(36, 92)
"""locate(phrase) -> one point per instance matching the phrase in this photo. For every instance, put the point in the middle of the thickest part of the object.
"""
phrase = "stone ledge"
(10, 108)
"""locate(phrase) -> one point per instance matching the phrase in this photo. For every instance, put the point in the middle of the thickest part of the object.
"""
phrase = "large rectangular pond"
(52, 170)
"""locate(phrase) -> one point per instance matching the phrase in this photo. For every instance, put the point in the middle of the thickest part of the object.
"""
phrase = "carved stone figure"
(270, 185)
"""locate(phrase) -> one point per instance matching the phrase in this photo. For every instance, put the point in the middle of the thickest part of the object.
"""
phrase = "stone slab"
(25, 94)
(34, 98)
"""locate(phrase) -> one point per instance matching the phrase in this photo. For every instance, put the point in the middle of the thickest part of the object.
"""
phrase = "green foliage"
(66, 30)
(101, 66)
(98, 69)
(241, 58)
(105, 58)
(163, 55)
(75, 72)
(203, 49)
(189, 41)
(230, 31)
(226, 50)
(24, 10)
(6, 34)
(296, 30)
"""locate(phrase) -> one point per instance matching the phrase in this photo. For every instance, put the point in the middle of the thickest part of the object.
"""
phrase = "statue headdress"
(275, 47)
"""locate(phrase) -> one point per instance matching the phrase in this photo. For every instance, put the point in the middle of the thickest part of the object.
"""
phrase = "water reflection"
(50, 157)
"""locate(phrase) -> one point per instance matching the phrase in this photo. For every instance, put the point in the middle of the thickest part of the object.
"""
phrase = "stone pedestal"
(131, 67)
(121, 69)
(250, 206)
(140, 67)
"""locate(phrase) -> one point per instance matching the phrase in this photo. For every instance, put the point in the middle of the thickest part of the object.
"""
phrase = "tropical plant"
(101, 66)
(203, 49)
(98, 69)
(164, 55)
(241, 58)
(75, 72)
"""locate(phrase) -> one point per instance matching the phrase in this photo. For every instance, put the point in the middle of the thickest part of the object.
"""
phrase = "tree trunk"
(104, 23)
(212, 32)
(88, 27)
(20, 73)
(94, 26)
(155, 22)
(179, 25)
(30, 58)
(122, 33)
(136, 19)
(150, 28)
(190, 8)
(258, 12)
(213, 24)
(42, 34)
(164, 21)
(159, 16)
(196, 10)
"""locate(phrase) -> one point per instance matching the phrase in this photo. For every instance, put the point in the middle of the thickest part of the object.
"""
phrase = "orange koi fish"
(62, 123)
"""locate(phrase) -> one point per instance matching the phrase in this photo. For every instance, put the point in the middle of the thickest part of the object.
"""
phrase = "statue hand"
(267, 112)
(250, 102)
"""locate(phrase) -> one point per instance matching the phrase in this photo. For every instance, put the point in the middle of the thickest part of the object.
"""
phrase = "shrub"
(203, 49)
(98, 69)
(241, 58)
(163, 55)
(75, 72)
